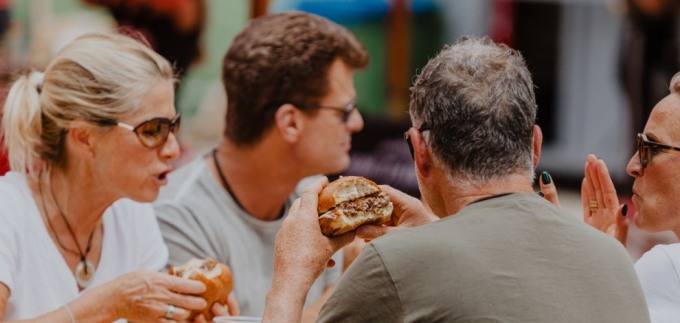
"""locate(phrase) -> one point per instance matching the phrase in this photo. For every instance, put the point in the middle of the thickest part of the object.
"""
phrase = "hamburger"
(216, 277)
(351, 201)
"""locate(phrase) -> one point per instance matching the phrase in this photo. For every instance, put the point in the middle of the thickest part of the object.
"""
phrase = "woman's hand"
(408, 212)
(152, 296)
(231, 308)
(548, 189)
(600, 202)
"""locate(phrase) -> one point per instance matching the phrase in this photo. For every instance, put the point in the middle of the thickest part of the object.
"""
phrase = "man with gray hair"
(493, 250)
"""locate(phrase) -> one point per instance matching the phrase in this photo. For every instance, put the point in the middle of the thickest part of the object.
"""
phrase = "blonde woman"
(90, 141)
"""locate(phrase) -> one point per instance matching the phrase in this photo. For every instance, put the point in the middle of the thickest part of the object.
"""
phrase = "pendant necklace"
(85, 270)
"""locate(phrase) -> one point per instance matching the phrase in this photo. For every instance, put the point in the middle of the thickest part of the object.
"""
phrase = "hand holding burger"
(216, 277)
(351, 201)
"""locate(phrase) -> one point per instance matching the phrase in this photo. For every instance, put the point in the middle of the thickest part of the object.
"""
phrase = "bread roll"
(351, 201)
(216, 277)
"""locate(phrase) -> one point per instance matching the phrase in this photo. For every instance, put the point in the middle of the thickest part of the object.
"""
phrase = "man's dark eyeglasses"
(407, 137)
(346, 110)
(152, 133)
(645, 148)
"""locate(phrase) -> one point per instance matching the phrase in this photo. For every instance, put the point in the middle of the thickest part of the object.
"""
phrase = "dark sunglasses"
(152, 133)
(346, 110)
(407, 137)
(645, 148)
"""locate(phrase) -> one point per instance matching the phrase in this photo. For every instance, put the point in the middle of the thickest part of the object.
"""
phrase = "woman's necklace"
(85, 269)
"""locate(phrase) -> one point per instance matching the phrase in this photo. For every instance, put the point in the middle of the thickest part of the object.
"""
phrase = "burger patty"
(364, 204)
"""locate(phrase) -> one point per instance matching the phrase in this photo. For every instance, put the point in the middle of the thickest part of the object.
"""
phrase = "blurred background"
(599, 67)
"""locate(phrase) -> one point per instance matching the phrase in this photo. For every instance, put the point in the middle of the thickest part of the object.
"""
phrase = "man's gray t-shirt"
(199, 219)
(514, 258)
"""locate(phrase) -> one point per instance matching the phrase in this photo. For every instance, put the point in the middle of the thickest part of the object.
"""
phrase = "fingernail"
(624, 209)
(545, 178)
(540, 194)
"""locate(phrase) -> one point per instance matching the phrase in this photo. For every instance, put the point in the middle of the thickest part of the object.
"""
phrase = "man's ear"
(288, 122)
(421, 153)
(538, 142)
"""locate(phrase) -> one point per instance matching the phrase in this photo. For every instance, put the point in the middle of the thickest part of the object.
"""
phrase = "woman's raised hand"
(548, 189)
(600, 202)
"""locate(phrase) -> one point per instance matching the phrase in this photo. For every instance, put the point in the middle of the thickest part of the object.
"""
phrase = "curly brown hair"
(277, 59)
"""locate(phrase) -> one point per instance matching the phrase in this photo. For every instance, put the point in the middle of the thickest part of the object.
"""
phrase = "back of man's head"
(478, 100)
(277, 59)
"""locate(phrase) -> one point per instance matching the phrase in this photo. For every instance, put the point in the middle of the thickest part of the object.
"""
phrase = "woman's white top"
(34, 270)
(658, 270)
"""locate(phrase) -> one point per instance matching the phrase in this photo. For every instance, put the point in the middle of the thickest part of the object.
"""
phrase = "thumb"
(369, 232)
(342, 240)
(200, 318)
(548, 189)
(622, 224)
(234, 309)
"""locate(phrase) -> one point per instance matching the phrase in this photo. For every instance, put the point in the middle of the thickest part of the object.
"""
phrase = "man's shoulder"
(516, 216)
(185, 180)
(189, 194)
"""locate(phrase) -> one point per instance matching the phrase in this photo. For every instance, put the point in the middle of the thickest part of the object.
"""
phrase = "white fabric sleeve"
(657, 270)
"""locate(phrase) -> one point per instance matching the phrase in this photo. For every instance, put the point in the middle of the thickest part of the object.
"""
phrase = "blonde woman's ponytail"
(22, 122)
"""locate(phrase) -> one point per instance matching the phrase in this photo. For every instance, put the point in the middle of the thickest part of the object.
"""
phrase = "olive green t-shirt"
(513, 258)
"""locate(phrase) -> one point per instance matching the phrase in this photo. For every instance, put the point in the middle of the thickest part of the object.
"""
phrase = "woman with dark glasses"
(90, 142)
(656, 189)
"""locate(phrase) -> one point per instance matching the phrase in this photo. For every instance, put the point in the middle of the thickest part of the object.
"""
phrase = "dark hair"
(277, 59)
(478, 99)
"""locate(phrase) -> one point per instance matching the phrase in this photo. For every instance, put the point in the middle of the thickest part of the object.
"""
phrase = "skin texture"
(326, 140)
(597, 186)
(549, 191)
(655, 189)
(120, 149)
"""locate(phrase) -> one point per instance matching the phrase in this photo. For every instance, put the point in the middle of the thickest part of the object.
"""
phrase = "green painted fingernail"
(545, 178)
(624, 209)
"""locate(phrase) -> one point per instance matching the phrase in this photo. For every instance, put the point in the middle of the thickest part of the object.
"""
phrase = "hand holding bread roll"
(351, 201)
(216, 277)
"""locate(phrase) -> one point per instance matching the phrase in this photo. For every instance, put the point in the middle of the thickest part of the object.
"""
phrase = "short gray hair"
(478, 101)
